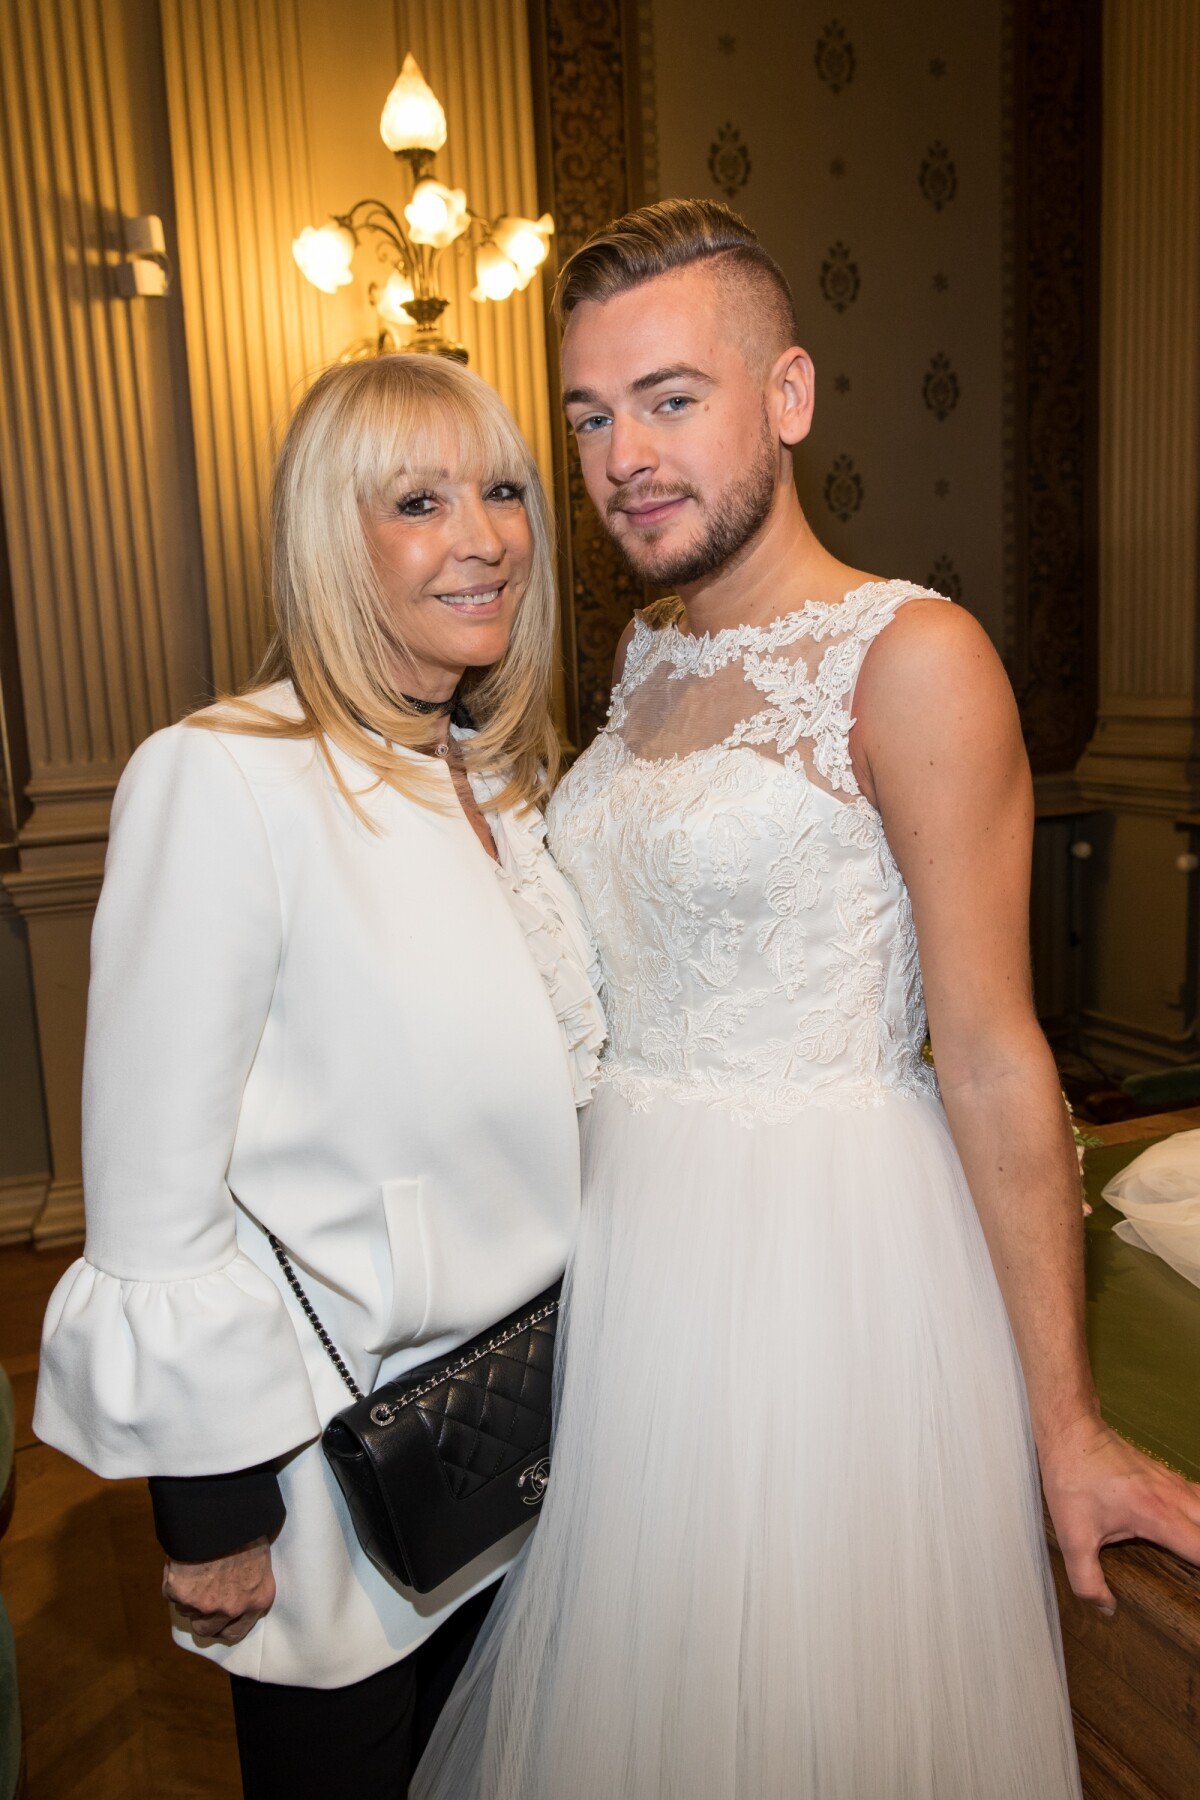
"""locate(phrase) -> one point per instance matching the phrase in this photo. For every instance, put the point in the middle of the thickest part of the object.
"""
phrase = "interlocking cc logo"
(534, 1481)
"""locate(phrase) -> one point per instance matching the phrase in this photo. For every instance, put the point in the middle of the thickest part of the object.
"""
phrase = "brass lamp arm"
(377, 216)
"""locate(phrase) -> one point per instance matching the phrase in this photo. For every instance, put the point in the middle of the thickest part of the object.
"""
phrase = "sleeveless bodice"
(755, 937)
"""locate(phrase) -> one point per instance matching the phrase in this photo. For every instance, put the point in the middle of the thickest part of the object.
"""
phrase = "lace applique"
(755, 936)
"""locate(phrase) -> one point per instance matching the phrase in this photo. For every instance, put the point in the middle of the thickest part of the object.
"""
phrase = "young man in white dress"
(792, 1545)
(686, 395)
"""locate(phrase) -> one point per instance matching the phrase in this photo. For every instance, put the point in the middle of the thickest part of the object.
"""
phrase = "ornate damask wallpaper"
(925, 176)
(594, 157)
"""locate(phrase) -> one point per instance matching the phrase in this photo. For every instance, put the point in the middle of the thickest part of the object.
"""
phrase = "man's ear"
(792, 386)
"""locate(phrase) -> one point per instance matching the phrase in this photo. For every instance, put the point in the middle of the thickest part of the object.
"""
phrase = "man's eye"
(675, 403)
(592, 422)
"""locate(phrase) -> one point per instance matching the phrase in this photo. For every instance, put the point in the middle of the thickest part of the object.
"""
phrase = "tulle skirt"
(792, 1545)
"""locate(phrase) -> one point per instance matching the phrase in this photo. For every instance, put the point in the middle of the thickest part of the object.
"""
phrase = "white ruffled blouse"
(369, 1043)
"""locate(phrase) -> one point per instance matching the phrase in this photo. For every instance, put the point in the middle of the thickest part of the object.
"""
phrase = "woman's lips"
(476, 602)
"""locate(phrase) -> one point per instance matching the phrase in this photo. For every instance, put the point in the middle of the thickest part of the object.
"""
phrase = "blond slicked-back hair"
(669, 235)
(358, 427)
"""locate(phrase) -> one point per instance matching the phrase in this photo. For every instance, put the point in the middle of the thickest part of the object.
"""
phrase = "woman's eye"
(415, 506)
(506, 491)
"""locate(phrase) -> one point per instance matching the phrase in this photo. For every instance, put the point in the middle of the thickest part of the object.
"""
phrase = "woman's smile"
(475, 602)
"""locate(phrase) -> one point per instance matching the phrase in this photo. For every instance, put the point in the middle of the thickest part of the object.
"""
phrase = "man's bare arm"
(938, 749)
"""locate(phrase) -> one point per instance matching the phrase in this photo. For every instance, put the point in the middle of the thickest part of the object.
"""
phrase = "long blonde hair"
(356, 428)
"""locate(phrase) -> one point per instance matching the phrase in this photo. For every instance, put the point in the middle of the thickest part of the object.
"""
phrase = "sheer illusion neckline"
(786, 622)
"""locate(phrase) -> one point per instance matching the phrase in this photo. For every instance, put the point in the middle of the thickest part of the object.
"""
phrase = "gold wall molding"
(1144, 751)
(22, 1199)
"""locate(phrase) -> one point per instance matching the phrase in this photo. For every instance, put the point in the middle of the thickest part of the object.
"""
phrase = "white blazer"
(369, 1045)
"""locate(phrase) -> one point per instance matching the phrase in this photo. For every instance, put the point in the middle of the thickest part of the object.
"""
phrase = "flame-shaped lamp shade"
(525, 242)
(496, 275)
(413, 118)
(323, 254)
(389, 301)
(436, 214)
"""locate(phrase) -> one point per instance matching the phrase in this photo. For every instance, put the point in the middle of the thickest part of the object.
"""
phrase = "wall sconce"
(508, 250)
(147, 267)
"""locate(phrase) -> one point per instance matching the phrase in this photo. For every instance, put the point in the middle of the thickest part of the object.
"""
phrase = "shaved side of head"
(673, 235)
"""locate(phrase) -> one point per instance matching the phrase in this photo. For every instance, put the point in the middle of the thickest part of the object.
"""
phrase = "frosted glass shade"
(526, 242)
(323, 255)
(496, 275)
(413, 118)
(436, 214)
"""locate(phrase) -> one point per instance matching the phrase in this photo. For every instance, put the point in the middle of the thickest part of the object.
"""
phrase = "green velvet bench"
(1135, 1679)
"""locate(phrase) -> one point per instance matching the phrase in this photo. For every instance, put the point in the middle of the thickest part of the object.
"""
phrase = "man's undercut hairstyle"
(676, 234)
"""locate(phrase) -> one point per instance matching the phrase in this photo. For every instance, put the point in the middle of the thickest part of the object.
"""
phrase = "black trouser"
(360, 1742)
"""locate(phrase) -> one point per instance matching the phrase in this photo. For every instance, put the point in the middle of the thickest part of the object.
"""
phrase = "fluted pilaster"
(254, 326)
(94, 452)
(1145, 746)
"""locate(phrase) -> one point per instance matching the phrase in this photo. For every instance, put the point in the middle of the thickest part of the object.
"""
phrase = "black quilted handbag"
(442, 1463)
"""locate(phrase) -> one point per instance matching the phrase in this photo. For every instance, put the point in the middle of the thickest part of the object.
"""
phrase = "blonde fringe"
(354, 431)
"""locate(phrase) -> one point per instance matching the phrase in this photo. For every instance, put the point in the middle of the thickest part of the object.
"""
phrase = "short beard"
(736, 517)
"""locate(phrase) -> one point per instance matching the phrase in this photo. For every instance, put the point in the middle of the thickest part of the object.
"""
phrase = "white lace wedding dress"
(792, 1545)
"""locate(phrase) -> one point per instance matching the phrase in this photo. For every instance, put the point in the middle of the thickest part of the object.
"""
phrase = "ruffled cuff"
(187, 1377)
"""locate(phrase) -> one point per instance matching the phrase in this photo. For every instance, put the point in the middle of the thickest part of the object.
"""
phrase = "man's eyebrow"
(676, 372)
(656, 377)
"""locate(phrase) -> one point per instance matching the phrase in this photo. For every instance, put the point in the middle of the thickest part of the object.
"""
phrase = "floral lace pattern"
(755, 937)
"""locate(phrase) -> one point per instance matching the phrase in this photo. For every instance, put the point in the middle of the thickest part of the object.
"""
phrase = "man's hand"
(1100, 1490)
(222, 1601)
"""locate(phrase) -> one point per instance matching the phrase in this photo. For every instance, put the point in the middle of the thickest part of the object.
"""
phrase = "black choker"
(430, 707)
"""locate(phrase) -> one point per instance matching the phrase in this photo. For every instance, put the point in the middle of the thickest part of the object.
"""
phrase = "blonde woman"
(339, 995)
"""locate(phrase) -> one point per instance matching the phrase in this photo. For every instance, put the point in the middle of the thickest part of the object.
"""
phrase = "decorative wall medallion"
(729, 161)
(837, 168)
(841, 384)
(843, 488)
(839, 278)
(944, 578)
(726, 43)
(940, 283)
(940, 387)
(938, 177)
(834, 57)
(941, 487)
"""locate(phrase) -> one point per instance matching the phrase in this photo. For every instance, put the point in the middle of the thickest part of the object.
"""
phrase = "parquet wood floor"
(112, 1710)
